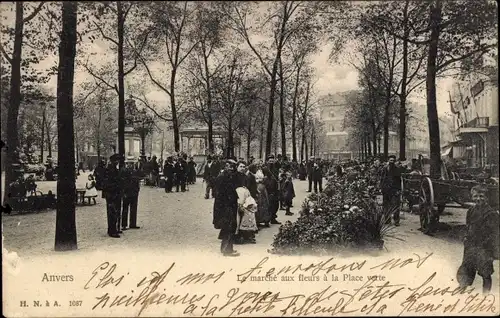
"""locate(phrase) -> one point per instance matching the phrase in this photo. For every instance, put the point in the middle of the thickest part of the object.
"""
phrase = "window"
(332, 128)
(332, 113)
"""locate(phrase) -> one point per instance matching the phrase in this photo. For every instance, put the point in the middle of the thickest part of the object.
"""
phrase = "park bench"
(81, 197)
(35, 201)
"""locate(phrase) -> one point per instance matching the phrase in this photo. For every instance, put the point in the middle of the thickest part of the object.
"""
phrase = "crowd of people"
(248, 196)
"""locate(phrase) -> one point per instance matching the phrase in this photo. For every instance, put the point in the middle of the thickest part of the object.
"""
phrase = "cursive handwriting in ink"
(314, 268)
(483, 304)
(426, 289)
(400, 263)
(201, 278)
(107, 279)
(156, 278)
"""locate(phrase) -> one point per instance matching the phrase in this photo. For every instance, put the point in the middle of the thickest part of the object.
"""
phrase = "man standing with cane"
(113, 192)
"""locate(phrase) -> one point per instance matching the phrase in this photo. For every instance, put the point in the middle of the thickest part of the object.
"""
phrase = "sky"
(331, 76)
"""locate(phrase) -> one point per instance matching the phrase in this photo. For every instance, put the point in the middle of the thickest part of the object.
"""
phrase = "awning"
(446, 152)
(458, 143)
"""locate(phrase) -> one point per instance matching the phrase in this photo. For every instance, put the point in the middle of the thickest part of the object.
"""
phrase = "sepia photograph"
(249, 158)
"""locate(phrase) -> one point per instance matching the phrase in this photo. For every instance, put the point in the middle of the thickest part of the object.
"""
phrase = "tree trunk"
(306, 149)
(121, 84)
(374, 136)
(230, 141)
(261, 140)
(404, 76)
(312, 142)
(432, 115)
(175, 122)
(386, 123)
(302, 147)
(49, 139)
(294, 115)
(368, 145)
(43, 136)
(209, 107)
(98, 141)
(65, 238)
(14, 100)
(282, 110)
(270, 119)
(249, 133)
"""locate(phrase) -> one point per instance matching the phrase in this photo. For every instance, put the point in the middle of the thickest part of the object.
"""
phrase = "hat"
(270, 157)
(115, 157)
(231, 161)
(312, 157)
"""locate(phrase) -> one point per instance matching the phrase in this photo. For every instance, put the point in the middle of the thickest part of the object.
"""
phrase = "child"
(481, 241)
(287, 191)
(91, 189)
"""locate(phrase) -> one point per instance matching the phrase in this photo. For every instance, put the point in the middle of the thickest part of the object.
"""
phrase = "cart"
(431, 196)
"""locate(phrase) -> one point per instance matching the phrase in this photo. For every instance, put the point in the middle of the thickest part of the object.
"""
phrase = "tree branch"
(483, 50)
(7, 57)
(245, 35)
(104, 35)
(137, 53)
(144, 101)
(163, 88)
(100, 78)
(34, 13)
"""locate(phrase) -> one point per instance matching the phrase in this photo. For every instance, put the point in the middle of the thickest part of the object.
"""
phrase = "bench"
(80, 195)
(35, 201)
(90, 197)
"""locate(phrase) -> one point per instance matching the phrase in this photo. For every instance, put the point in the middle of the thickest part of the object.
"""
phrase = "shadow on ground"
(451, 232)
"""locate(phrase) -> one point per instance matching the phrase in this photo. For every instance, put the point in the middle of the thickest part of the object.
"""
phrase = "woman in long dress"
(263, 216)
(247, 206)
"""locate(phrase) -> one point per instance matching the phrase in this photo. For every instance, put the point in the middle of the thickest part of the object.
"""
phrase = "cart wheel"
(426, 204)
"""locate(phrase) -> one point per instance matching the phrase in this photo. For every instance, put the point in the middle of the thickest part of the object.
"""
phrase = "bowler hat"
(115, 157)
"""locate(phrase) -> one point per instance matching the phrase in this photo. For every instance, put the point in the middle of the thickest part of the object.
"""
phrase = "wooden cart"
(431, 196)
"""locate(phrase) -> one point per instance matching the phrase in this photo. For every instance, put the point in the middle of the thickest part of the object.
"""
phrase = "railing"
(478, 122)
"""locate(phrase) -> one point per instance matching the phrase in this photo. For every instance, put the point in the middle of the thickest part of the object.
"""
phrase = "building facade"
(474, 105)
(333, 110)
(417, 135)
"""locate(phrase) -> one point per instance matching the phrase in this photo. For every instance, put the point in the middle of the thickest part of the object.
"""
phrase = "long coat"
(263, 214)
(226, 201)
(251, 185)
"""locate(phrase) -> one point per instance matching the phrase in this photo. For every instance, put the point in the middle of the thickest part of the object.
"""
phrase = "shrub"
(344, 215)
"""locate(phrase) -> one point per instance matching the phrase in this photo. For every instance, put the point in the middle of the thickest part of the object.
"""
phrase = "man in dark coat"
(251, 181)
(317, 175)
(168, 174)
(390, 184)
(113, 192)
(132, 178)
(209, 175)
(226, 207)
(191, 170)
(272, 187)
(309, 168)
(181, 168)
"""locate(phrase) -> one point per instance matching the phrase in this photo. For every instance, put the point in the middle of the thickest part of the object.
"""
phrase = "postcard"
(253, 159)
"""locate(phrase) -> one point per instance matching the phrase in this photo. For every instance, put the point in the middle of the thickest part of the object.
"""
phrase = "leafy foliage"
(344, 215)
